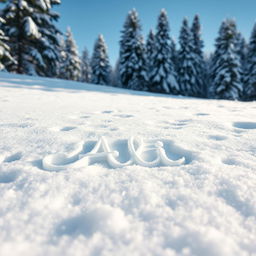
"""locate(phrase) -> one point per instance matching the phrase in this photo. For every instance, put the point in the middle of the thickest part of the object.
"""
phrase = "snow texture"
(205, 206)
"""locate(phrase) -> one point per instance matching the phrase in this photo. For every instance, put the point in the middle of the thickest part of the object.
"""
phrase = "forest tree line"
(30, 43)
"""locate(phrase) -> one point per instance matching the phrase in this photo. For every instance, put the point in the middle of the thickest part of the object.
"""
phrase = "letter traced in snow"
(102, 152)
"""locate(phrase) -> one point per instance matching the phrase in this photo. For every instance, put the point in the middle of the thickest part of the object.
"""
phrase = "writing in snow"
(102, 152)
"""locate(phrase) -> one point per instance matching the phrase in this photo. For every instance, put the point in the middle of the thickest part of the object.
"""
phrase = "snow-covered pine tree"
(226, 68)
(199, 63)
(85, 67)
(23, 34)
(101, 69)
(163, 75)
(249, 92)
(62, 54)
(5, 56)
(132, 59)
(187, 75)
(207, 77)
(174, 55)
(241, 47)
(33, 37)
(49, 43)
(150, 49)
(71, 66)
(115, 77)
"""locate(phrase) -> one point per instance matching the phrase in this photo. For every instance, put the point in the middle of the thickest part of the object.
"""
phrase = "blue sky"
(88, 18)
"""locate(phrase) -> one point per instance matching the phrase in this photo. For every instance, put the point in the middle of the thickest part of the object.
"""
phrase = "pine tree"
(101, 69)
(132, 65)
(33, 37)
(250, 73)
(225, 67)
(115, 77)
(174, 55)
(71, 67)
(207, 76)
(5, 56)
(150, 49)
(163, 75)
(187, 59)
(241, 47)
(199, 63)
(85, 67)
(23, 35)
(49, 43)
(62, 57)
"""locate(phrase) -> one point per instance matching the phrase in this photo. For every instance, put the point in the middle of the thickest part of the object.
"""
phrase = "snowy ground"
(205, 207)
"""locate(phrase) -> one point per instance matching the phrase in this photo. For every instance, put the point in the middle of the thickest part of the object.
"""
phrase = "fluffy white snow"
(206, 206)
(31, 28)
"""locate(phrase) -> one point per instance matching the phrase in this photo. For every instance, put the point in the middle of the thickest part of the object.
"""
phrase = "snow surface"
(206, 206)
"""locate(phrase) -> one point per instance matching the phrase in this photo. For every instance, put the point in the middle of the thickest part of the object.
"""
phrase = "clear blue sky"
(88, 18)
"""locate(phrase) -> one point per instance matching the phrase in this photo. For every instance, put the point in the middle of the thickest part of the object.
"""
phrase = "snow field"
(206, 206)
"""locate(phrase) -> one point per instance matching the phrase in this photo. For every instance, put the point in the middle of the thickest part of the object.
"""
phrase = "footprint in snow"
(107, 112)
(202, 114)
(232, 161)
(67, 128)
(9, 177)
(14, 157)
(245, 125)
